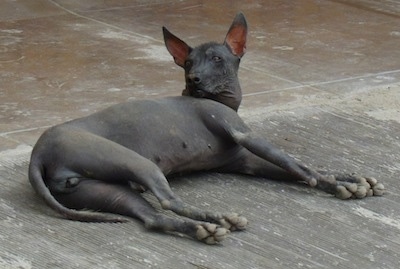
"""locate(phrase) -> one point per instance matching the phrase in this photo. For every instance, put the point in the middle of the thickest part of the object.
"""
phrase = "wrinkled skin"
(90, 167)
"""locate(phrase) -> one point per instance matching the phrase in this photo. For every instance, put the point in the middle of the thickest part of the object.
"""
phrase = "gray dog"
(103, 161)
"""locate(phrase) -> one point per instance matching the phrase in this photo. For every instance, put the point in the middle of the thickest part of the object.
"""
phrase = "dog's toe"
(233, 222)
(353, 186)
(210, 233)
(378, 189)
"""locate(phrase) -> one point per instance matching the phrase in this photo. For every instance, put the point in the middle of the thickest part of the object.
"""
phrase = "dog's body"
(93, 162)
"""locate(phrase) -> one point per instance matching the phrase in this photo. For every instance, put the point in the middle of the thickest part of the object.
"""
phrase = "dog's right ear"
(176, 47)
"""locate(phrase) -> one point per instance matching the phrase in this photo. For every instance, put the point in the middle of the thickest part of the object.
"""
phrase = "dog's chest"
(194, 152)
(183, 147)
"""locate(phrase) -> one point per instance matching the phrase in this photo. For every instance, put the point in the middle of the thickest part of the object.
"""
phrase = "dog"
(94, 168)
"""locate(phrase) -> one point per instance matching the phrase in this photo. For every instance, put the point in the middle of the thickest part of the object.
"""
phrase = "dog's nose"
(193, 79)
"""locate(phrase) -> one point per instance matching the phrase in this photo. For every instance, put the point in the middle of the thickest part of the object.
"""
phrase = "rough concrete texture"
(320, 79)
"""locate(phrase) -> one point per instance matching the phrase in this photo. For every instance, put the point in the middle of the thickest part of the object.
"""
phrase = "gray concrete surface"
(321, 79)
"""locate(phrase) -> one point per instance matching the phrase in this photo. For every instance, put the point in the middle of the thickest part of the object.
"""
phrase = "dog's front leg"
(343, 186)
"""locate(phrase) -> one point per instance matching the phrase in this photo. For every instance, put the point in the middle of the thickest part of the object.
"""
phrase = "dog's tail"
(37, 182)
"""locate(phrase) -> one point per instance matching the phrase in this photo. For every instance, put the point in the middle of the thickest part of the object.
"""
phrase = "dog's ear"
(235, 40)
(176, 47)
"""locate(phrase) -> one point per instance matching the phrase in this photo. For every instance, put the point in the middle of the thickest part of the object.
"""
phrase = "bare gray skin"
(90, 167)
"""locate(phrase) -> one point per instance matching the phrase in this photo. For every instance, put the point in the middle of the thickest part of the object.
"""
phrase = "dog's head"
(211, 68)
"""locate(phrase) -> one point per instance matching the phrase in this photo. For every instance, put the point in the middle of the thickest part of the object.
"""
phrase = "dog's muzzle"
(195, 92)
(199, 93)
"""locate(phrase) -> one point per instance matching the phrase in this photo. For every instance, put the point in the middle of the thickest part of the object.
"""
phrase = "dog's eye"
(216, 59)
(188, 64)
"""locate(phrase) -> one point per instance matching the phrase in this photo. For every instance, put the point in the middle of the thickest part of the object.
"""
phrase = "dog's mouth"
(196, 92)
(199, 93)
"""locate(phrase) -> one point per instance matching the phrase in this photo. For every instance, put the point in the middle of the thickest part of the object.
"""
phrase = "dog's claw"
(233, 222)
(210, 233)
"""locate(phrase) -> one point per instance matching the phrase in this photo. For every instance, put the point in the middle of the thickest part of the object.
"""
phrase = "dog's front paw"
(210, 233)
(353, 186)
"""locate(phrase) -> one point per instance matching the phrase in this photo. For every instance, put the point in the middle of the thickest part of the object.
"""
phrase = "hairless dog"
(94, 168)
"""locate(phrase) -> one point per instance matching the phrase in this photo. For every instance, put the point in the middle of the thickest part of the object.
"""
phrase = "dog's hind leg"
(85, 155)
(158, 184)
(119, 199)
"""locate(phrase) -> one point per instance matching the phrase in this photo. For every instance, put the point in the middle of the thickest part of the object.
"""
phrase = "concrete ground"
(321, 79)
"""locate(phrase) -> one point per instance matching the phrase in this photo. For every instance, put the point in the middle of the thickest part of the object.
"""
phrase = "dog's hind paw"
(353, 186)
(210, 233)
(233, 222)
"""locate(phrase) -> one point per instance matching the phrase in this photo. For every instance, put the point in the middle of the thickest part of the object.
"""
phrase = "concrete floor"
(321, 79)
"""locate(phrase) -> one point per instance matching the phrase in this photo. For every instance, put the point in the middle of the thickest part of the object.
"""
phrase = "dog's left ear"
(176, 47)
(236, 37)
